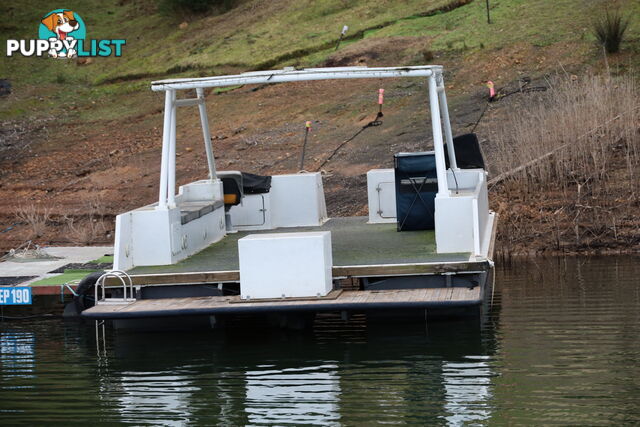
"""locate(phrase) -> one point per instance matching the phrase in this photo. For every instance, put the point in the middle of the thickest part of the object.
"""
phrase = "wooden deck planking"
(346, 300)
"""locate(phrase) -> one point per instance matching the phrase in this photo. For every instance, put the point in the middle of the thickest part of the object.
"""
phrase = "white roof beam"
(292, 75)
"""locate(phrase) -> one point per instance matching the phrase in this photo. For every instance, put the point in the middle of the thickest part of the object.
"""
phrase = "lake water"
(561, 347)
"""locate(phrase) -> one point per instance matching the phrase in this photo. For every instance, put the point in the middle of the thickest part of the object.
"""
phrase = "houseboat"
(239, 244)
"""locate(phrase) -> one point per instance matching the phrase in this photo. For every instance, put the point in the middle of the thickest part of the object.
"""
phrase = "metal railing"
(127, 288)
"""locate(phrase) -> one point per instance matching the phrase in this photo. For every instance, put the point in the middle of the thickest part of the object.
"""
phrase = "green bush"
(610, 29)
(169, 7)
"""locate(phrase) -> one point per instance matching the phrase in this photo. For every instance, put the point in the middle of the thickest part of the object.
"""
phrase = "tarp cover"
(468, 153)
(416, 188)
(255, 184)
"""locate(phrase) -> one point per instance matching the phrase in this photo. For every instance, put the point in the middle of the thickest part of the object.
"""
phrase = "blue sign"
(19, 295)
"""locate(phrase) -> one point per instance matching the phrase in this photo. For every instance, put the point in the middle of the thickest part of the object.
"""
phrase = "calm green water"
(562, 347)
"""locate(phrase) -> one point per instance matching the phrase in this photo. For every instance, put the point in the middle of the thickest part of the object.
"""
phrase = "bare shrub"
(88, 227)
(97, 208)
(36, 218)
(609, 30)
(568, 134)
(84, 232)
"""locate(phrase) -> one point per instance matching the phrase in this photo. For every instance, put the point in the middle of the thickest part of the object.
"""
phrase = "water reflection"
(339, 374)
(564, 349)
(17, 351)
(467, 390)
(293, 395)
(144, 395)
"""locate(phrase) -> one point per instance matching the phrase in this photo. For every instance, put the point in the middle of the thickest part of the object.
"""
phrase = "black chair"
(231, 187)
(236, 184)
(416, 188)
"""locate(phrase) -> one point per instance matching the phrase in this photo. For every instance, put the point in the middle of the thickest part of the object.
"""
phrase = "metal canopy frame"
(437, 103)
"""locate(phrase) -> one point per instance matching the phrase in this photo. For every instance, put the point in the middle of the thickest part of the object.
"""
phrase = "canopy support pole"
(171, 190)
(169, 97)
(442, 97)
(206, 133)
(436, 125)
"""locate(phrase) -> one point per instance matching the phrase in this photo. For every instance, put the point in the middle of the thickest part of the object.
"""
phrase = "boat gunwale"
(369, 270)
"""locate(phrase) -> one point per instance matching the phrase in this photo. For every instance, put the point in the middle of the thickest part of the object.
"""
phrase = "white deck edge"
(150, 276)
(489, 234)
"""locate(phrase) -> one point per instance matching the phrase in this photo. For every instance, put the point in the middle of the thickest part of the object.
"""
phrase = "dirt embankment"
(83, 174)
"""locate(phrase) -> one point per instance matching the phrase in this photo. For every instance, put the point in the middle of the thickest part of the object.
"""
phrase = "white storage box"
(277, 265)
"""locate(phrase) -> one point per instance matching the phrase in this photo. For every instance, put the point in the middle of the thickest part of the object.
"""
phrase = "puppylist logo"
(62, 34)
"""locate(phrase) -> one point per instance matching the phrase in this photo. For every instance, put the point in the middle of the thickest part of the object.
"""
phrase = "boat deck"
(354, 243)
(334, 301)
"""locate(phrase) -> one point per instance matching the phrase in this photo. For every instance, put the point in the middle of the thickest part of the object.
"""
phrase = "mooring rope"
(372, 123)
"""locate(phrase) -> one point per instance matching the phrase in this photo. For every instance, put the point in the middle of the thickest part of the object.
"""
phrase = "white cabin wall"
(253, 213)
(467, 179)
(203, 190)
(122, 257)
(483, 207)
(381, 194)
(297, 200)
(322, 205)
(461, 218)
(294, 200)
(151, 235)
(454, 224)
(196, 235)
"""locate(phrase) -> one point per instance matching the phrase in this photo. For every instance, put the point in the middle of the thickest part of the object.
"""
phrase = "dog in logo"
(61, 23)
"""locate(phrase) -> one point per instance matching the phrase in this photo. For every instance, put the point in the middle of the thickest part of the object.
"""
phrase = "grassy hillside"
(74, 133)
(267, 34)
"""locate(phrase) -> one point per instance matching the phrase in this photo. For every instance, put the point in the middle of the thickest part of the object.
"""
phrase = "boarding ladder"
(128, 295)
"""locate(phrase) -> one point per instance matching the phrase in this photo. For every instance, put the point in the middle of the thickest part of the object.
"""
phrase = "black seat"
(468, 152)
(255, 184)
(236, 184)
(231, 187)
